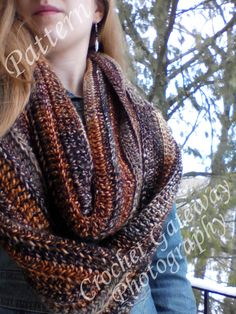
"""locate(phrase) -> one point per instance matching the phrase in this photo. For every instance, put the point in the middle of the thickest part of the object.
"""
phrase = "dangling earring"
(96, 40)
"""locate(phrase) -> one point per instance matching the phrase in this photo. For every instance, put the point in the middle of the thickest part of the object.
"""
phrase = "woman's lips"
(46, 10)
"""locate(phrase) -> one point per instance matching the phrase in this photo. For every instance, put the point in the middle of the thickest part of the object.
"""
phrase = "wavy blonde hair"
(17, 35)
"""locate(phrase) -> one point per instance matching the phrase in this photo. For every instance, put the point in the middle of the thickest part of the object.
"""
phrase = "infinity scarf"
(82, 205)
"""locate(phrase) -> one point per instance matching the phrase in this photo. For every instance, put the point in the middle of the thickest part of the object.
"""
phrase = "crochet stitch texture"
(77, 198)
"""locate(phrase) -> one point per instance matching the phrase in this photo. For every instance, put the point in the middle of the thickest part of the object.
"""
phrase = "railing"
(209, 286)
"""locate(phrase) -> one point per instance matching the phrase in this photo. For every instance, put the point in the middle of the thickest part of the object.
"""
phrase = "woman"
(88, 170)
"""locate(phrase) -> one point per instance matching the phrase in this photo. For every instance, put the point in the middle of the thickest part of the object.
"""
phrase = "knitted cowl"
(82, 205)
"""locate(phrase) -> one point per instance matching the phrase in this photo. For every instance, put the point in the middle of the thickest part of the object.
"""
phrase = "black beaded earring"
(96, 38)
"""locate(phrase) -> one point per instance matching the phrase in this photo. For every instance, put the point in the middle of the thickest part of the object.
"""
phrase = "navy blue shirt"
(78, 103)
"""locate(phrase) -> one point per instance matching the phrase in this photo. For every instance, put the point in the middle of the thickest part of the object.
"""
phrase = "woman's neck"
(69, 68)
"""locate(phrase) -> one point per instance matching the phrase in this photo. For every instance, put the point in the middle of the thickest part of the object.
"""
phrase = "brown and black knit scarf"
(77, 199)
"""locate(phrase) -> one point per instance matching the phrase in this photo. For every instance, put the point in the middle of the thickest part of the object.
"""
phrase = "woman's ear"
(99, 11)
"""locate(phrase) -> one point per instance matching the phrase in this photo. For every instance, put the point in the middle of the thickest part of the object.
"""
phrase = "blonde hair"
(15, 35)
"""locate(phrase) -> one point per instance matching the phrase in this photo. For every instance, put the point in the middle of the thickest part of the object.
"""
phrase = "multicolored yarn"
(74, 196)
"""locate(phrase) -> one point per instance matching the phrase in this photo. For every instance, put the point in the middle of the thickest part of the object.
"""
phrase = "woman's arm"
(171, 291)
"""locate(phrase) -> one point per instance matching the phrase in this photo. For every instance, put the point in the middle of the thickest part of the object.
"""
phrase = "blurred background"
(183, 59)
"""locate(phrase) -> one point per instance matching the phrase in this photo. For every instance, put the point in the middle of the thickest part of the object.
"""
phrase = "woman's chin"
(45, 19)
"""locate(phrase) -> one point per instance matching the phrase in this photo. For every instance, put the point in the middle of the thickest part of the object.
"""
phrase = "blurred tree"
(183, 57)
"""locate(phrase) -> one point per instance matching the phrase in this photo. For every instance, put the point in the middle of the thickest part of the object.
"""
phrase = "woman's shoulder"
(18, 155)
(145, 108)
